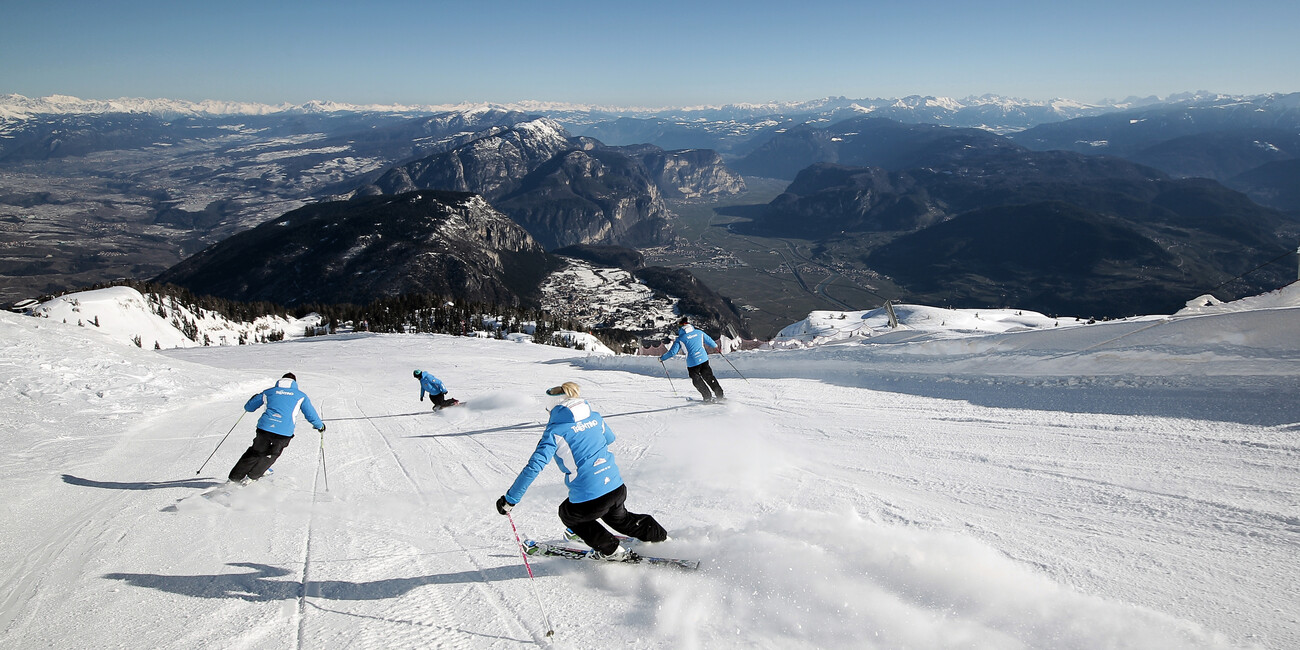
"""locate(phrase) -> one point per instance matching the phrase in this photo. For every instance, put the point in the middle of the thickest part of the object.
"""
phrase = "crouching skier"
(578, 439)
(274, 428)
(437, 392)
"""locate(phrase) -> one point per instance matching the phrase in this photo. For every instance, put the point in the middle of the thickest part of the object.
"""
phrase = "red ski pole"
(550, 630)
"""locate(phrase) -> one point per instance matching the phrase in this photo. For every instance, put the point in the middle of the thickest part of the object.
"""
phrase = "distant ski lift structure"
(893, 318)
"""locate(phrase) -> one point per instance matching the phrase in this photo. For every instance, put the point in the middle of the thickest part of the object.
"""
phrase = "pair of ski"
(533, 547)
(697, 400)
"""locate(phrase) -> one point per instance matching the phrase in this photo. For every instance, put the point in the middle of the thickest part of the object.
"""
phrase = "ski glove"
(322, 428)
(504, 507)
(421, 397)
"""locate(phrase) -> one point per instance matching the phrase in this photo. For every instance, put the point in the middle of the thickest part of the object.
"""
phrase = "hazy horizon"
(674, 54)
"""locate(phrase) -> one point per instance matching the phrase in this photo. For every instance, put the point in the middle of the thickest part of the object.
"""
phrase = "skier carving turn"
(697, 359)
(578, 439)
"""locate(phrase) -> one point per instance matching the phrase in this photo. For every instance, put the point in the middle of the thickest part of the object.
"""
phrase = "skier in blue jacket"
(578, 439)
(697, 359)
(437, 392)
(274, 428)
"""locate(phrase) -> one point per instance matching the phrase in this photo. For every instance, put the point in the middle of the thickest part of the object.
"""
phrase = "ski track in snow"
(987, 492)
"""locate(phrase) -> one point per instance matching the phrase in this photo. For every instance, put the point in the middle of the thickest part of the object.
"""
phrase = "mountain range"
(874, 184)
(964, 217)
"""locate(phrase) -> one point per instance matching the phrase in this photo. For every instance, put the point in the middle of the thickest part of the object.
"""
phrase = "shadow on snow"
(198, 484)
(260, 585)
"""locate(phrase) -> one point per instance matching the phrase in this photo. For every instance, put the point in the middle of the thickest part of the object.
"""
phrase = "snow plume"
(808, 579)
(825, 573)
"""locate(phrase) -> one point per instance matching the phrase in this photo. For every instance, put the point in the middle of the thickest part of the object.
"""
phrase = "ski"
(706, 401)
(225, 492)
(222, 494)
(532, 547)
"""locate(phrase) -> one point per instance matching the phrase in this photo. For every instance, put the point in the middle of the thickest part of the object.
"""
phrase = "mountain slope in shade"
(447, 243)
(1276, 184)
(868, 142)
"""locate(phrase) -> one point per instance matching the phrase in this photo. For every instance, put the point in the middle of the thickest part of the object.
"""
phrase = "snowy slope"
(124, 314)
(1116, 485)
(822, 327)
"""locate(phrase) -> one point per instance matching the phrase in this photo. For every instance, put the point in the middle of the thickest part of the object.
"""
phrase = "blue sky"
(663, 53)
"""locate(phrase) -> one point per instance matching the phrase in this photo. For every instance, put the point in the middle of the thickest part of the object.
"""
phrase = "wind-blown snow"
(1116, 485)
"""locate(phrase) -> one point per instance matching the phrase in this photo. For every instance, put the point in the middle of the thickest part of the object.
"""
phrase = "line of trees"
(408, 313)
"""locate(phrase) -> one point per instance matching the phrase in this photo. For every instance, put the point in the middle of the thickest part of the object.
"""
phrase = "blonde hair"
(569, 389)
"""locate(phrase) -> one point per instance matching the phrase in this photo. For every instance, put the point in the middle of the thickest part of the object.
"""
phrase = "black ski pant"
(702, 377)
(584, 519)
(260, 456)
(440, 400)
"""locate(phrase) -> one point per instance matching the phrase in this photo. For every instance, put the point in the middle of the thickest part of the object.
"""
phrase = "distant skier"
(437, 392)
(697, 359)
(274, 428)
(578, 439)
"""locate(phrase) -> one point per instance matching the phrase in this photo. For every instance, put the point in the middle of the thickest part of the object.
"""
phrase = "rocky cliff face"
(565, 190)
(687, 173)
(562, 190)
(491, 164)
(589, 197)
(448, 243)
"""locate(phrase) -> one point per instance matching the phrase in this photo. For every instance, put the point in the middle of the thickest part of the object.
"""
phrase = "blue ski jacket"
(578, 439)
(694, 341)
(281, 401)
(430, 384)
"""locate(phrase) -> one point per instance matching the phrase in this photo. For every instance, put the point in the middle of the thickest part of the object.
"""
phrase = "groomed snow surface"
(1115, 485)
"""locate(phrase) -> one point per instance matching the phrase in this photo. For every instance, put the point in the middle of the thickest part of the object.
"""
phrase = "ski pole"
(223, 441)
(733, 366)
(324, 468)
(670, 379)
(550, 629)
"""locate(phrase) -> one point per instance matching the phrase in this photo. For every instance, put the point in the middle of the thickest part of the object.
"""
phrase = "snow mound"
(127, 316)
(1288, 296)
(832, 326)
(582, 341)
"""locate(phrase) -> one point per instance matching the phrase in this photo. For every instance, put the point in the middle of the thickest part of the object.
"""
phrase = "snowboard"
(446, 406)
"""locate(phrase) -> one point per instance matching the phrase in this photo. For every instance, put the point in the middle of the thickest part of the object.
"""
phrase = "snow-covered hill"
(605, 297)
(1128, 484)
(123, 314)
